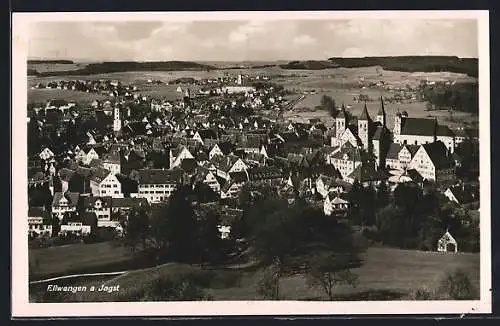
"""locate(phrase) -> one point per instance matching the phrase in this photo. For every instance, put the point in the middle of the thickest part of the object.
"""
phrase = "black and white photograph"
(251, 163)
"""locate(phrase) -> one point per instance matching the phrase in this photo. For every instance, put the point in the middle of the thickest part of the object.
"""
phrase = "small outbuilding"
(447, 243)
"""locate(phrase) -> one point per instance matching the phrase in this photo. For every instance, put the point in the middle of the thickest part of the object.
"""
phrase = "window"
(114, 186)
(116, 191)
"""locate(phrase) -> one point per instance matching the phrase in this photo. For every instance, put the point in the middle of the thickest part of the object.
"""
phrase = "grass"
(387, 274)
(78, 258)
(42, 95)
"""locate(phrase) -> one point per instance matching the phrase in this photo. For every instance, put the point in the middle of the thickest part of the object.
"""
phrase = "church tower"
(341, 122)
(364, 121)
(117, 122)
(397, 126)
(381, 112)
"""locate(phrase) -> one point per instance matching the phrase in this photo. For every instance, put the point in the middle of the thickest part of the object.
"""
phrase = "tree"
(209, 240)
(457, 285)
(137, 228)
(328, 271)
(382, 195)
(328, 104)
(175, 227)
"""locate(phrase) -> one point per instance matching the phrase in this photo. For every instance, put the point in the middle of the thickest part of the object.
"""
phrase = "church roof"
(364, 115)
(381, 110)
(418, 126)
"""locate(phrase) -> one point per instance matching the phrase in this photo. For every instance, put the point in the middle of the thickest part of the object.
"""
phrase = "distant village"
(98, 162)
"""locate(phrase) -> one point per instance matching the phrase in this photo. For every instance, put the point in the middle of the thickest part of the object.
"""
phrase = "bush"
(175, 289)
(457, 285)
(421, 294)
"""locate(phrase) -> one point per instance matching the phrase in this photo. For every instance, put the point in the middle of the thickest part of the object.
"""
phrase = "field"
(77, 258)
(44, 94)
(342, 84)
(386, 274)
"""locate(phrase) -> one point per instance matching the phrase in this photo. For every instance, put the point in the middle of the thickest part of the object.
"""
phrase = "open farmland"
(42, 95)
(386, 274)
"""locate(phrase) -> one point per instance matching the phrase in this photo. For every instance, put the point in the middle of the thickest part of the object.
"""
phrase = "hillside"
(467, 66)
(124, 66)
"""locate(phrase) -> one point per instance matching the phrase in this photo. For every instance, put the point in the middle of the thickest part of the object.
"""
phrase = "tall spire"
(381, 111)
(364, 114)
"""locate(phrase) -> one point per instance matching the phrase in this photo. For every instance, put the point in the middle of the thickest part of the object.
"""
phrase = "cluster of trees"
(410, 217)
(328, 104)
(123, 66)
(298, 238)
(174, 232)
(467, 66)
(462, 97)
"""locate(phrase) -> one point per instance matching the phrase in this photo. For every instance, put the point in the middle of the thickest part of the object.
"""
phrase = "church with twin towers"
(373, 137)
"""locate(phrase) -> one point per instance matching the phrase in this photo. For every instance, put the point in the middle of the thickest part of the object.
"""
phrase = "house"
(265, 174)
(46, 154)
(334, 205)
(447, 243)
(420, 131)
(232, 188)
(178, 154)
(122, 205)
(347, 159)
(205, 176)
(39, 222)
(157, 185)
(112, 162)
(101, 206)
(66, 202)
(79, 223)
(221, 148)
(434, 162)
(204, 134)
(367, 174)
(227, 164)
(325, 185)
(104, 183)
(462, 194)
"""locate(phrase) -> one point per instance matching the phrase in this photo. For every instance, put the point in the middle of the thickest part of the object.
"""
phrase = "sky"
(241, 40)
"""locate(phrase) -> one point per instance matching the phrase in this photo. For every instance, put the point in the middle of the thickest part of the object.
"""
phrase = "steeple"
(364, 115)
(381, 112)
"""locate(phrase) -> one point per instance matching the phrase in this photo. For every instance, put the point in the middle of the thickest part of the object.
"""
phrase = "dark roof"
(264, 173)
(444, 131)
(412, 149)
(381, 110)
(65, 174)
(128, 202)
(99, 174)
(207, 134)
(72, 198)
(159, 176)
(438, 153)
(415, 175)
(112, 157)
(95, 163)
(418, 126)
(84, 172)
(225, 147)
(240, 176)
(37, 212)
(89, 202)
(364, 115)
(252, 142)
(465, 193)
(394, 149)
(367, 172)
(353, 153)
(189, 164)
